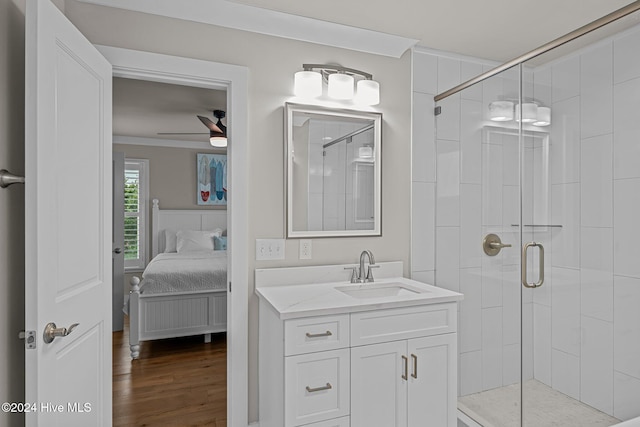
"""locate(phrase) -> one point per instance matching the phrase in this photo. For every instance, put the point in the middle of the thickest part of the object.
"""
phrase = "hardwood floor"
(175, 382)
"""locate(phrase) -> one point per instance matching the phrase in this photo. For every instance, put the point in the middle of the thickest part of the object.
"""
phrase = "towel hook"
(7, 178)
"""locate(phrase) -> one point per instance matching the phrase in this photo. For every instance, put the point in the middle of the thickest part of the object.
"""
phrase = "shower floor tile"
(543, 407)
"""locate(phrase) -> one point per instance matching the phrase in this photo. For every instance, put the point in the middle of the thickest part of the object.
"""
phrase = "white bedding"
(189, 271)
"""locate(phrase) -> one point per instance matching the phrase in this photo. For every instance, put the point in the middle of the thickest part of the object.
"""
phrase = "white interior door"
(68, 222)
(117, 266)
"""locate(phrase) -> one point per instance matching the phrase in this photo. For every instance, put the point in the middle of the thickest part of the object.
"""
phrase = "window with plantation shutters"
(135, 213)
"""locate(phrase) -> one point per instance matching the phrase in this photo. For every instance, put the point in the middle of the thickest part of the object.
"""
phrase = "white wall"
(272, 62)
(12, 206)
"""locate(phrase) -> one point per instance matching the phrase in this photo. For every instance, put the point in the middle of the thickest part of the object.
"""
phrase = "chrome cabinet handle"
(314, 390)
(414, 374)
(540, 281)
(405, 376)
(323, 334)
(51, 332)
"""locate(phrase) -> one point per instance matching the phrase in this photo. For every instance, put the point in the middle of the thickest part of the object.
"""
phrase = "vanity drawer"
(372, 327)
(316, 387)
(316, 334)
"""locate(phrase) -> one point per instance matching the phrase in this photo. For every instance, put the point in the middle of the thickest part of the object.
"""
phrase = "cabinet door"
(378, 392)
(432, 381)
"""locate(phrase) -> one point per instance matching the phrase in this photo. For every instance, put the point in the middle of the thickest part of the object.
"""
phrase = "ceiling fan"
(217, 131)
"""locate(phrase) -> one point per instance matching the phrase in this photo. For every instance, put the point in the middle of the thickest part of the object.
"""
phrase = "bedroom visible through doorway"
(156, 125)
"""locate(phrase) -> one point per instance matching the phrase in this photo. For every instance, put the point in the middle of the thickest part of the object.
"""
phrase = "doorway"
(209, 75)
(157, 132)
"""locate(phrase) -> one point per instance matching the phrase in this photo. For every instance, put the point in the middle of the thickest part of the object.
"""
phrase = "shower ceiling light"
(529, 112)
(501, 111)
(340, 80)
(543, 117)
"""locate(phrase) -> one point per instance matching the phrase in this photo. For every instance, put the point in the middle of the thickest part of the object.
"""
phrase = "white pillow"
(194, 240)
(170, 241)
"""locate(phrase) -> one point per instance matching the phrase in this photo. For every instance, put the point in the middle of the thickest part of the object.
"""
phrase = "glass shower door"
(478, 186)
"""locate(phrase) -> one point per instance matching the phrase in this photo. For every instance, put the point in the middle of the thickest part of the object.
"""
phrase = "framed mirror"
(332, 178)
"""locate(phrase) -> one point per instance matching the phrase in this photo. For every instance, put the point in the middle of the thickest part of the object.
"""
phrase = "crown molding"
(228, 14)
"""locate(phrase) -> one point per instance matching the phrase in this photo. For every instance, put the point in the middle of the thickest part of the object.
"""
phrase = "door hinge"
(29, 338)
(437, 111)
(229, 286)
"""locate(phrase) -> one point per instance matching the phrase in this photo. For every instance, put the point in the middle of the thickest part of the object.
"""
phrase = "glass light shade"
(501, 111)
(365, 152)
(544, 117)
(367, 92)
(340, 86)
(308, 84)
(218, 141)
(529, 112)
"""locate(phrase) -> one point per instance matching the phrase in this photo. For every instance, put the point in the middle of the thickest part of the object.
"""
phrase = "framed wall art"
(212, 179)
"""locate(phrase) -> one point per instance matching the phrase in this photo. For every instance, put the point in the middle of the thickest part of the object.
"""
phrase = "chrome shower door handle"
(540, 281)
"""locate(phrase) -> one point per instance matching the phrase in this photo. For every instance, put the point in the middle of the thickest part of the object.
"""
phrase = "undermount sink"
(381, 290)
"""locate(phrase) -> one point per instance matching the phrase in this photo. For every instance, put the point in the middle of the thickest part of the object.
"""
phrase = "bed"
(181, 293)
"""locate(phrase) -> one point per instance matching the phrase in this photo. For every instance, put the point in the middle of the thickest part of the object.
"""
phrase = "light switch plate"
(269, 249)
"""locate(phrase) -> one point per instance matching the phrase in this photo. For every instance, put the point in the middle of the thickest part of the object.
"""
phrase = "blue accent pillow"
(220, 243)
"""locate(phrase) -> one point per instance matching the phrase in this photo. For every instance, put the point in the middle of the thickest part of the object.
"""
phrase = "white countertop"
(318, 299)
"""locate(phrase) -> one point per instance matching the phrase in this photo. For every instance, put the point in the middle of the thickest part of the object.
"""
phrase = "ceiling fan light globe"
(218, 141)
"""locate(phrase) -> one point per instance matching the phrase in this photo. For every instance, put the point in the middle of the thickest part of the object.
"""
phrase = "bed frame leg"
(207, 338)
(134, 318)
(135, 351)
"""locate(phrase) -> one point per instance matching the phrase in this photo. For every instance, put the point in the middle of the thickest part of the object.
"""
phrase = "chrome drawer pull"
(405, 376)
(414, 374)
(313, 390)
(324, 334)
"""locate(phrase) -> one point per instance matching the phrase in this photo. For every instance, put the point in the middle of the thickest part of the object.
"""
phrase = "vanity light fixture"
(340, 83)
(529, 112)
(501, 111)
(365, 152)
(544, 117)
(532, 112)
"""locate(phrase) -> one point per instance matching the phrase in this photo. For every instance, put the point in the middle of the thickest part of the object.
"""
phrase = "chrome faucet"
(369, 277)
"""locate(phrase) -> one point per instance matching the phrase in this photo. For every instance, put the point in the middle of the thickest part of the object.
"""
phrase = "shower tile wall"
(592, 352)
(582, 327)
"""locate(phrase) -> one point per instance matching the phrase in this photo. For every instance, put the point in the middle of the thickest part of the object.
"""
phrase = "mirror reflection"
(333, 172)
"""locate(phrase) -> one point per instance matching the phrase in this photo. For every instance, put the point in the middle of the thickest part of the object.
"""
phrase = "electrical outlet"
(305, 249)
(269, 249)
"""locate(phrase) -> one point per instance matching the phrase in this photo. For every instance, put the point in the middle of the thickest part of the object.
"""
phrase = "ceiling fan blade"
(182, 133)
(209, 124)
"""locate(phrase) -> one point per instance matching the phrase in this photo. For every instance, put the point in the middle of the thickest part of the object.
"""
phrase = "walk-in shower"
(543, 152)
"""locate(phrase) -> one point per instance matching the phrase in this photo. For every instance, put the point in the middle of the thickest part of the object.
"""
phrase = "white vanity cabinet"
(361, 368)
(404, 383)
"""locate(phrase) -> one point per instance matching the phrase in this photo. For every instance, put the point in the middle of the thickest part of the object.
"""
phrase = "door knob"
(117, 251)
(492, 244)
(51, 332)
